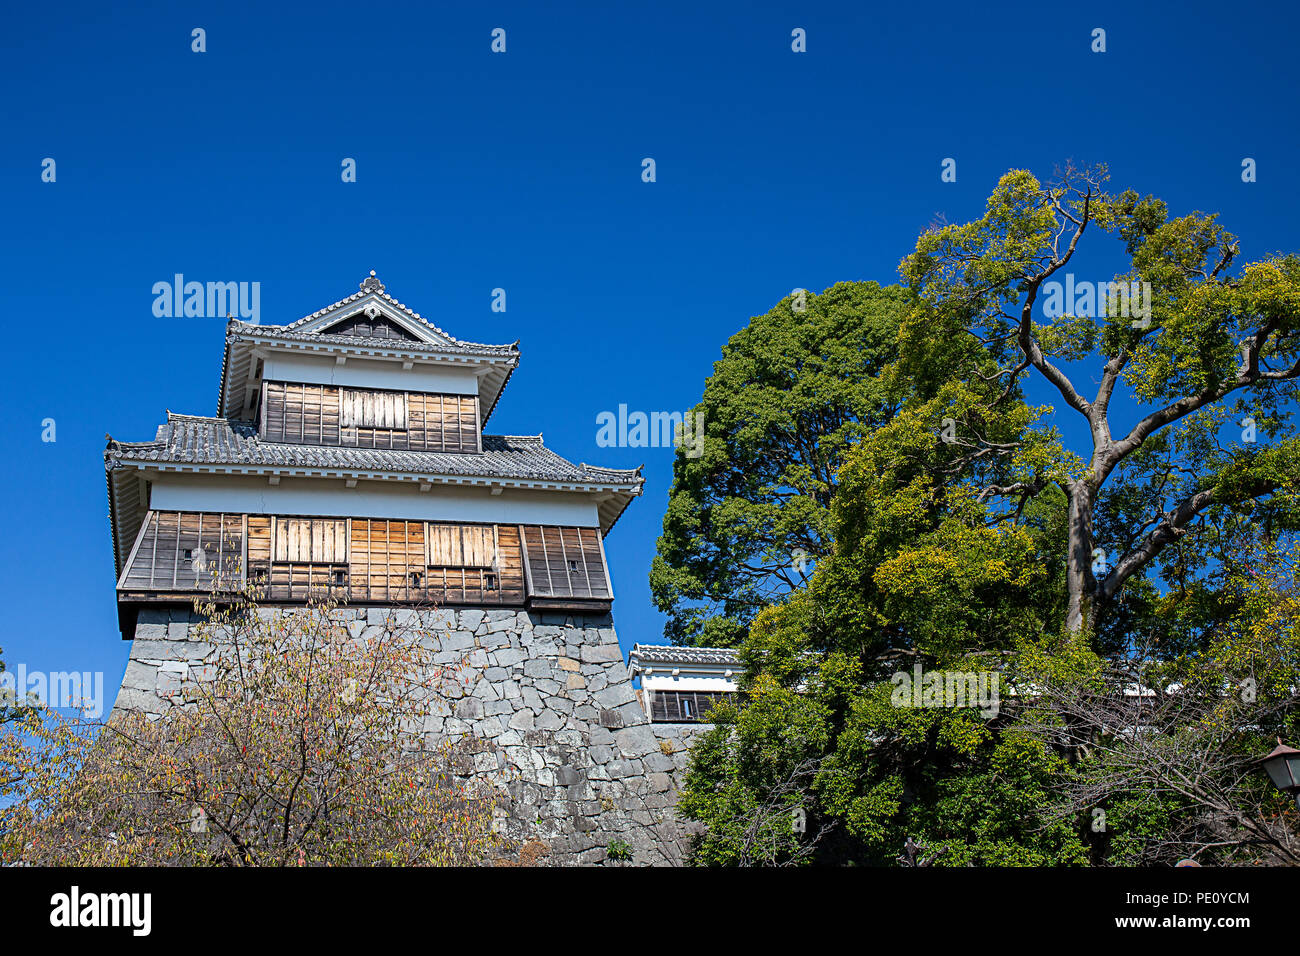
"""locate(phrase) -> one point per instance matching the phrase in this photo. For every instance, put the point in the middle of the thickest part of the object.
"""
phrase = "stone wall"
(551, 694)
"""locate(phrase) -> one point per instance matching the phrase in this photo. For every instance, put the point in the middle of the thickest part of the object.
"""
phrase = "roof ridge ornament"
(371, 284)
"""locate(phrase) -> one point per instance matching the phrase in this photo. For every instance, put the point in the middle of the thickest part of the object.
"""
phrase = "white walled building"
(680, 684)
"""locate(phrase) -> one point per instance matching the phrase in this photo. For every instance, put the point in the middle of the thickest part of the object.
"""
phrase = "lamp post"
(1283, 766)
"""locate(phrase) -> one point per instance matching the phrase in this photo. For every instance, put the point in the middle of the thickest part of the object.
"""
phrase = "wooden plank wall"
(301, 414)
(406, 421)
(443, 422)
(368, 559)
(387, 559)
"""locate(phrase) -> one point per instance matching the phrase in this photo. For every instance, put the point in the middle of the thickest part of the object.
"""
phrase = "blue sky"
(523, 171)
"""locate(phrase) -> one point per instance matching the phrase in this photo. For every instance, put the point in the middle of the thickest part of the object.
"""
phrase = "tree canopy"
(1131, 597)
(749, 518)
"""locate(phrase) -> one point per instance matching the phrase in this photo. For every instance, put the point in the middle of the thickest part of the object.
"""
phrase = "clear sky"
(522, 170)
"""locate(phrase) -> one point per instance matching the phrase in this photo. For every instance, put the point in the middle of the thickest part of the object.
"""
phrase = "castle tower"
(348, 456)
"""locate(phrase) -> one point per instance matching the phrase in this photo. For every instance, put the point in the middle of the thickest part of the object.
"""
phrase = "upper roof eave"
(500, 360)
(430, 344)
(237, 331)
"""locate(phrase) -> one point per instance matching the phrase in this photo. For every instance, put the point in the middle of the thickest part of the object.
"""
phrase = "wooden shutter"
(462, 546)
(311, 540)
(373, 409)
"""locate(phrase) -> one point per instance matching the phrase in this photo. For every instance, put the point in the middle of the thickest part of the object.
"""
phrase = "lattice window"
(464, 564)
(187, 551)
(565, 562)
(680, 706)
(309, 558)
(311, 540)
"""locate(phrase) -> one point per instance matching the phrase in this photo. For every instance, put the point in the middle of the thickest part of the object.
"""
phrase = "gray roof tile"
(658, 654)
(290, 334)
(200, 440)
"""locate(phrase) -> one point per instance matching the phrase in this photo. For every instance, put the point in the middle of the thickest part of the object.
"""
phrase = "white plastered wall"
(371, 499)
(368, 373)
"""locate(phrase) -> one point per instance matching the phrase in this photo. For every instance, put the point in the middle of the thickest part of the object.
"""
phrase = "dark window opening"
(677, 706)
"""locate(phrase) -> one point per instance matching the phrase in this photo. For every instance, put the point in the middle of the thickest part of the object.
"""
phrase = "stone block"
(139, 676)
(615, 696)
(601, 653)
(162, 650)
(636, 741)
(543, 700)
(470, 708)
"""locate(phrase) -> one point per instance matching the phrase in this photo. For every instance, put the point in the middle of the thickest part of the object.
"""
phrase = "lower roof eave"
(294, 471)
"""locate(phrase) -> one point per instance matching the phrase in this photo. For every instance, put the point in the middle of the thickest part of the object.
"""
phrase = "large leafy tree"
(748, 519)
(1220, 341)
(958, 544)
(924, 570)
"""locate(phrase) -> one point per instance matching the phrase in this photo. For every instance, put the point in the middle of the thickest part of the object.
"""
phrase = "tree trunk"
(1080, 583)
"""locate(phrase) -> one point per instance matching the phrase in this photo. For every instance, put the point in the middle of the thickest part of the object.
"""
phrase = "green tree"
(1166, 750)
(1213, 342)
(925, 569)
(747, 520)
(962, 537)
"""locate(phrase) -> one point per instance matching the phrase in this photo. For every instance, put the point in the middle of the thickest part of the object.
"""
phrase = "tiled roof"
(200, 440)
(291, 334)
(663, 654)
(372, 286)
